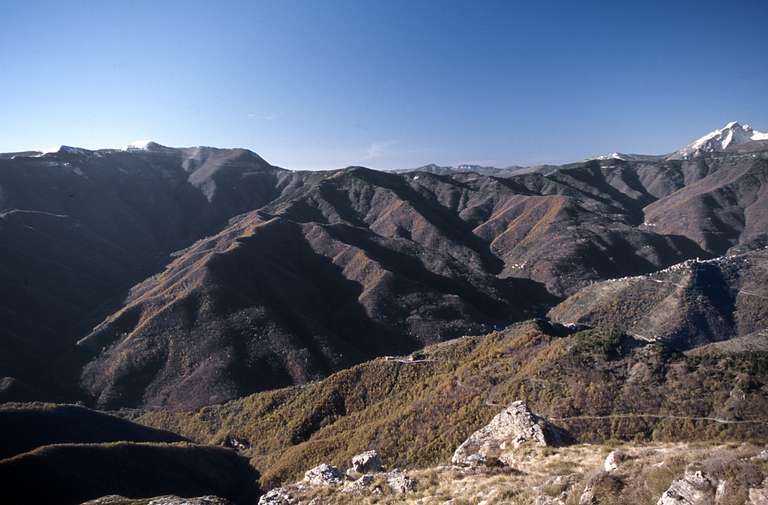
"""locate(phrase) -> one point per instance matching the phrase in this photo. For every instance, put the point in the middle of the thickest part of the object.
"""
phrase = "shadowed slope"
(24, 427)
(248, 310)
(68, 474)
(78, 227)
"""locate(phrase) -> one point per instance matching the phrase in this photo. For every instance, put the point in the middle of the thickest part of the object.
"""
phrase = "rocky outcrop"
(759, 496)
(694, 488)
(324, 475)
(513, 427)
(613, 460)
(278, 496)
(367, 462)
(355, 486)
(366, 477)
(399, 482)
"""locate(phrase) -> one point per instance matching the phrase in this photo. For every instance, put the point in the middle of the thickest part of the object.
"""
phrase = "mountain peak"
(72, 150)
(144, 145)
(733, 133)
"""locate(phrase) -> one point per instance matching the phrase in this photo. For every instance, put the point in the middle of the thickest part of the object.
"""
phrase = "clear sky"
(386, 84)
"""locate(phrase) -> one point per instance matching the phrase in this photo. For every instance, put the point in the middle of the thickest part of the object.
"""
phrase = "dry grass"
(416, 414)
(640, 479)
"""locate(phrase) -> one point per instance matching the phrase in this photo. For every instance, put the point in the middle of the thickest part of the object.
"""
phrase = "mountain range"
(299, 317)
(163, 277)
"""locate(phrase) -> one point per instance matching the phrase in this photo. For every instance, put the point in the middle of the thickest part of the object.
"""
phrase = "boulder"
(278, 496)
(514, 426)
(613, 460)
(367, 462)
(324, 475)
(695, 488)
(400, 482)
(358, 485)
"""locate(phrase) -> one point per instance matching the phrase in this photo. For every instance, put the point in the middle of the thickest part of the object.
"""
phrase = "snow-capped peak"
(731, 134)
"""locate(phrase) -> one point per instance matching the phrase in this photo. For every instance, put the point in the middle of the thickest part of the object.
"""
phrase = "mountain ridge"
(415, 257)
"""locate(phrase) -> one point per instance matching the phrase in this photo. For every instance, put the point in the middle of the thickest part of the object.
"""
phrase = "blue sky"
(386, 84)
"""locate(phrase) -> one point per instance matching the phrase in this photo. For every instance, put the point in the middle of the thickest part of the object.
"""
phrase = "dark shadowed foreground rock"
(511, 428)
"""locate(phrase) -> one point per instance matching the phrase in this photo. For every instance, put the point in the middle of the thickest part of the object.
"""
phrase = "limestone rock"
(547, 500)
(514, 426)
(695, 488)
(400, 482)
(759, 496)
(324, 475)
(367, 462)
(613, 460)
(278, 496)
(364, 482)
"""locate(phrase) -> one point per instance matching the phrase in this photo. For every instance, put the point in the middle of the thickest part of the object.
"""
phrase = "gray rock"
(613, 460)
(367, 462)
(400, 482)
(587, 497)
(324, 475)
(759, 496)
(278, 496)
(512, 427)
(695, 488)
(358, 485)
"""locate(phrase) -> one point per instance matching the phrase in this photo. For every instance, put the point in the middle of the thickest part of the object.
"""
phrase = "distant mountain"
(726, 138)
(478, 169)
(79, 227)
(630, 157)
(191, 276)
